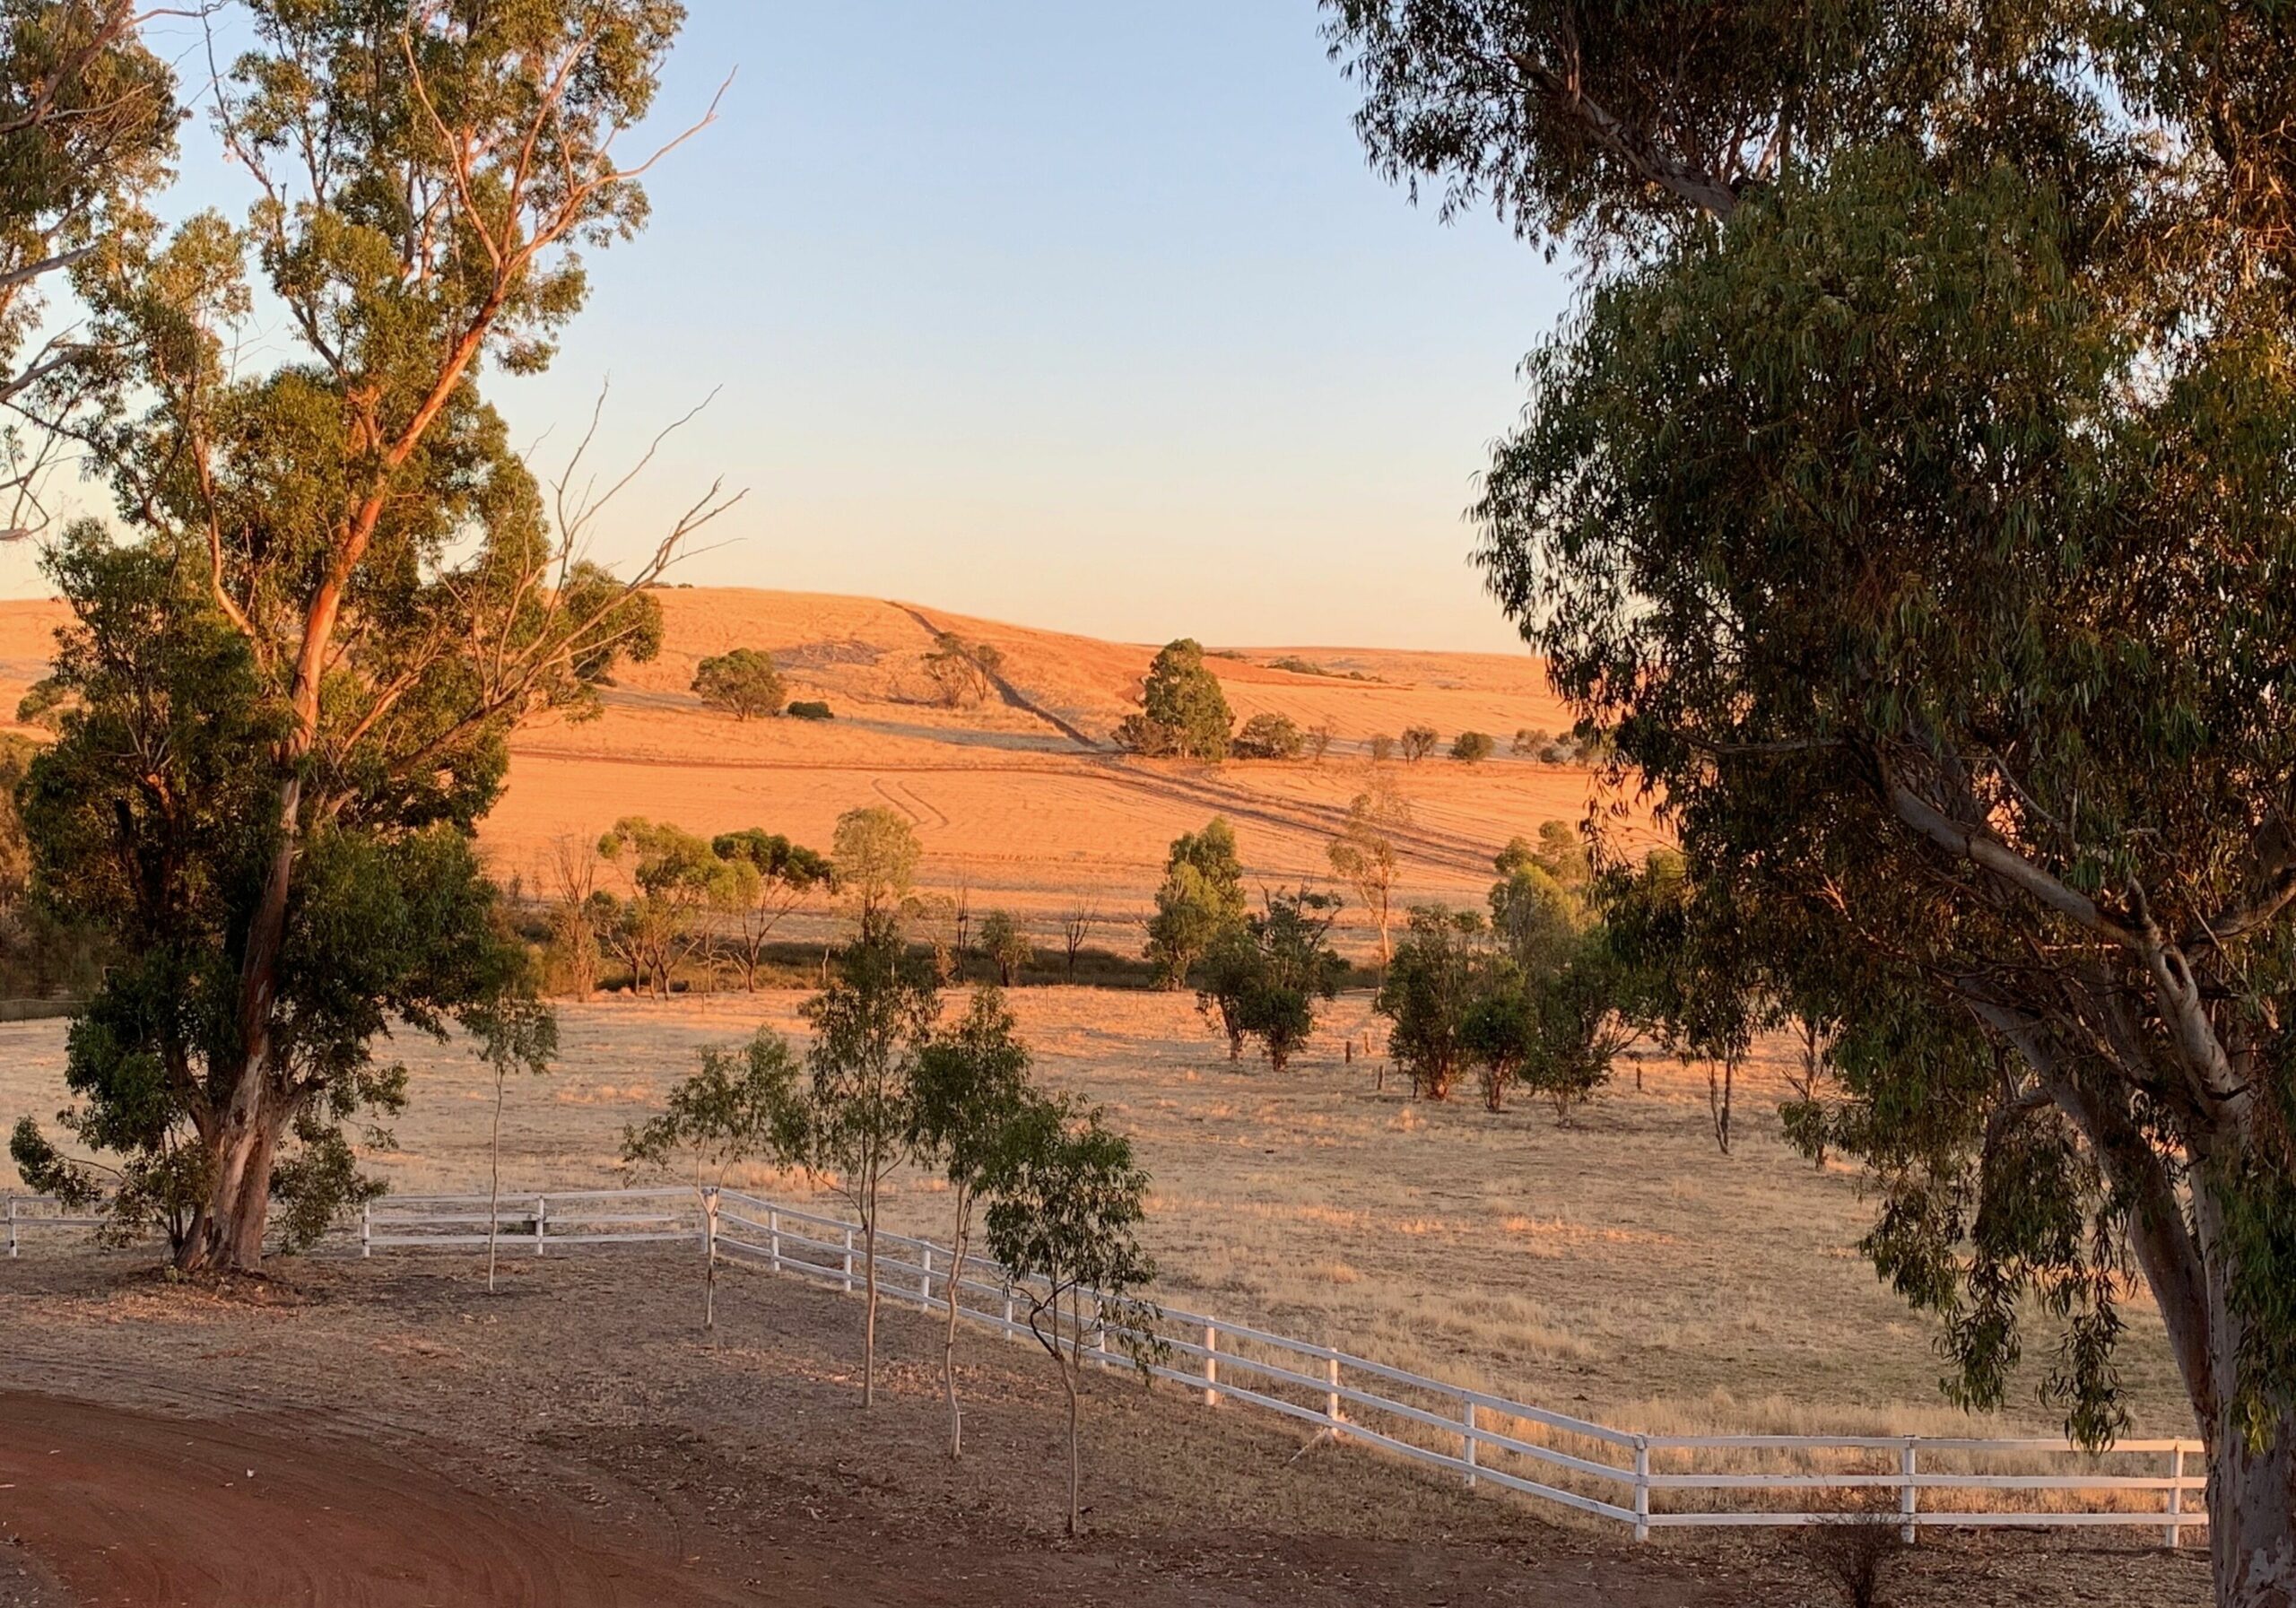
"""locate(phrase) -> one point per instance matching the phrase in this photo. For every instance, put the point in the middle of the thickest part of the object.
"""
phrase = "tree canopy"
(1909, 494)
(1183, 714)
(743, 682)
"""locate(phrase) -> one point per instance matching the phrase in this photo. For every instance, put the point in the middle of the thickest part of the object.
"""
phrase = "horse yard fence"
(1648, 1481)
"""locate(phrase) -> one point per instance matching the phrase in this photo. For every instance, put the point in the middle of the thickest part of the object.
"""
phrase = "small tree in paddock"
(1265, 981)
(1077, 923)
(1499, 1029)
(787, 875)
(971, 1086)
(1419, 742)
(1202, 895)
(1472, 748)
(934, 916)
(1269, 735)
(963, 673)
(1364, 855)
(1316, 741)
(1381, 748)
(744, 1105)
(1007, 944)
(869, 1025)
(1184, 714)
(1429, 988)
(519, 1036)
(875, 854)
(676, 882)
(743, 683)
(1225, 975)
(1064, 1220)
(1528, 740)
(570, 873)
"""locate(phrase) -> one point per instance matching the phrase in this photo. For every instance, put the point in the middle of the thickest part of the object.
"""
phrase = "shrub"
(1528, 740)
(1269, 737)
(1472, 748)
(743, 682)
(1383, 749)
(809, 710)
(1005, 944)
(1419, 742)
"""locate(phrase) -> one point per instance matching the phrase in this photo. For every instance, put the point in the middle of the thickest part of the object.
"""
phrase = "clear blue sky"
(1087, 316)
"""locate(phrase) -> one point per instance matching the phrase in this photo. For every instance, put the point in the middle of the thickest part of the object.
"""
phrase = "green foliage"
(1064, 1220)
(1431, 983)
(1472, 748)
(963, 673)
(744, 1105)
(970, 1086)
(1269, 735)
(874, 855)
(1201, 897)
(1184, 714)
(1528, 740)
(786, 874)
(1418, 742)
(1263, 979)
(676, 882)
(1363, 852)
(1005, 944)
(807, 709)
(741, 683)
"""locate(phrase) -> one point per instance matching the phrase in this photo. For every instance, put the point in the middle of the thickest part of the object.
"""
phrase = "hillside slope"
(1021, 799)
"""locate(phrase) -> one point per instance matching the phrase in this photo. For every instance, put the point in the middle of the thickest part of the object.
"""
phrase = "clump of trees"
(963, 673)
(743, 682)
(783, 877)
(1263, 978)
(1418, 742)
(1005, 944)
(1201, 897)
(1269, 735)
(875, 854)
(1184, 714)
(676, 882)
(1527, 996)
(1472, 748)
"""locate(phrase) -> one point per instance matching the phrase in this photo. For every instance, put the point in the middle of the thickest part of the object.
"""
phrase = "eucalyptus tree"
(1910, 492)
(287, 685)
(786, 874)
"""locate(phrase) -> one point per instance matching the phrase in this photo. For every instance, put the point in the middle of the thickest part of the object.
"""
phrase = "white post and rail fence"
(1646, 1481)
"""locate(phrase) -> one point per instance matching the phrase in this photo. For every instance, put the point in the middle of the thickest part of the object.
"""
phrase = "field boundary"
(1646, 1481)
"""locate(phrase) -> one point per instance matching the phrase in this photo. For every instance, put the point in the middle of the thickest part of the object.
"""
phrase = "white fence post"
(1331, 1395)
(848, 1261)
(1641, 1488)
(773, 1237)
(1211, 1365)
(2175, 1530)
(1909, 1493)
(542, 1216)
(925, 1285)
(1471, 1447)
(1100, 1333)
(1010, 1332)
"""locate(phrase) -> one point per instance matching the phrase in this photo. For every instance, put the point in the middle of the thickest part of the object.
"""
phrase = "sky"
(1084, 316)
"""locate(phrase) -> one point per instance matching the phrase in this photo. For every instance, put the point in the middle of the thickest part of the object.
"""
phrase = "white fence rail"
(1646, 1481)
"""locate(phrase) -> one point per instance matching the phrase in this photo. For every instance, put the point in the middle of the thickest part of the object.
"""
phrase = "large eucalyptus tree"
(1913, 487)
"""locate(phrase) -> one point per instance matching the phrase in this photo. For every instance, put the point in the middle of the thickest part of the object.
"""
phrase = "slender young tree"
(1063, 1219)
(785, 875)
(1364, 855)
(971, 1088)
(520, 1036)
(870, 1025)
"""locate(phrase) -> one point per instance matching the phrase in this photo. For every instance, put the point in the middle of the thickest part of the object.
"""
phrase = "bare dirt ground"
(388, 1433)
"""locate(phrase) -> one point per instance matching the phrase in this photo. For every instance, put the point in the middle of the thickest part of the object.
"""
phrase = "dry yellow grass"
(1620, 1268)
(1004, 799)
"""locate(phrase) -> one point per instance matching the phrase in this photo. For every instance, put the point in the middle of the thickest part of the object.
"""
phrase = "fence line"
(1645, 1481)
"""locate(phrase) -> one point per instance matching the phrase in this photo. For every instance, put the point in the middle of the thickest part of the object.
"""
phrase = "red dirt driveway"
(122, 1508)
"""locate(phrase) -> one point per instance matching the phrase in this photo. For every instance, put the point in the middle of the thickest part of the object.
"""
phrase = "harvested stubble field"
(1021, 798)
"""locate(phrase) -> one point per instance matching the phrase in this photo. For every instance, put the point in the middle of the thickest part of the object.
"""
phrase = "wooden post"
(541, 1217)
(11, 1227)
(1909, 1494)
(1211, 1366)
(1641, 1488)
(1470, 1448)
(366, 1229)
(848, 1261)
(2175, 1528)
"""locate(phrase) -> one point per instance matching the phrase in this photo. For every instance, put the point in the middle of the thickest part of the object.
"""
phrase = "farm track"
(1012, 696)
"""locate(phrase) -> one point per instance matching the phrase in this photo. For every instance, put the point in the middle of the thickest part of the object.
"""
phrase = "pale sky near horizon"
(1086, 317)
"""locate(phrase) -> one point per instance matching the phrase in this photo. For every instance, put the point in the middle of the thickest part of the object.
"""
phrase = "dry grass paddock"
(1617, 1268)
